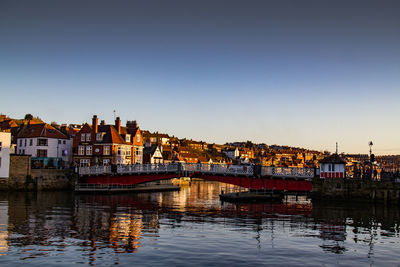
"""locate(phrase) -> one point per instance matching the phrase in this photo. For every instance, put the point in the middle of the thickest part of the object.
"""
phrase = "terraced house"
(96, 145)
(47, 146)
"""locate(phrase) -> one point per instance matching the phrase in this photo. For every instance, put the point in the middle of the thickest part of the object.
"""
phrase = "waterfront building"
(47, 146)
(103, 144)
(152, 155)
(232, 153)
(5, 145)
(333, 166)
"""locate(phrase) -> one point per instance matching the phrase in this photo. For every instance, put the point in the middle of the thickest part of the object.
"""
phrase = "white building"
(332, 166)
(47, 146)
(5, 144)
(152, 155)
(232, 153)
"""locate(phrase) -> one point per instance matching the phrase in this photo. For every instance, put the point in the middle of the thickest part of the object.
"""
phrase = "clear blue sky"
(301, 73)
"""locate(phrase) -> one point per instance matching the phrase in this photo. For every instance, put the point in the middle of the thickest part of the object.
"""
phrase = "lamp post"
(370, 157)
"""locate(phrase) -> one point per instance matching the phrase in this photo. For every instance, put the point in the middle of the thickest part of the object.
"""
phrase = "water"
(192, 227)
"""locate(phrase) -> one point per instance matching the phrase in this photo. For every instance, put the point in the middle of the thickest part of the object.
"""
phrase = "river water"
(192, 228)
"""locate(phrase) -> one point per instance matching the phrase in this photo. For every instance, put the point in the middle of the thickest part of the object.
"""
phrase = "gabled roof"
(150, 150)
(41, 130)
(334, 158)
(111, 135)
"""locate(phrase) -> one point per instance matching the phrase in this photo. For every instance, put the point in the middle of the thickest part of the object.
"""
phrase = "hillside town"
(98, 143)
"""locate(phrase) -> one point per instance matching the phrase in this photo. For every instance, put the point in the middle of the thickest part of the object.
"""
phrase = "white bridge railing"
(220, 169)
(287, 172)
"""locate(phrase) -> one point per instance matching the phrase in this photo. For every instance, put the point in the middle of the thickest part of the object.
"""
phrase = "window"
(128, 151)
(99, 137)
(119, 151)
(59, 142)
(1, 145)
(137, 138)
(127, 138)
(30, 142)
(83, 137)
(106, 150)
(88, 137)
(42, 142)
(25, 143)
(41, 153)
(20, 142)
(23, 151)
(88, 150)
(81, 150)
(106, 162)
(84, 163)
(64, 142)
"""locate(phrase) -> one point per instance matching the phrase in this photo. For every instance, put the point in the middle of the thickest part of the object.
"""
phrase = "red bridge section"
(263, 183)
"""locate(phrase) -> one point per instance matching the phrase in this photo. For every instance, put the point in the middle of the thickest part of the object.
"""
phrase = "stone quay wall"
(23, 178)
(349, 189)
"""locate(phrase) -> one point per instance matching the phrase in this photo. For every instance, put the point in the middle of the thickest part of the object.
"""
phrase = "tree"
(28, 117)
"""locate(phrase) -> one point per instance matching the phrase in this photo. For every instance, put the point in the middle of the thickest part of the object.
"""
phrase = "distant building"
(103, 144)
(232, 153)
(332, 166)
(5, 144)
(152, 155)
(48, 146)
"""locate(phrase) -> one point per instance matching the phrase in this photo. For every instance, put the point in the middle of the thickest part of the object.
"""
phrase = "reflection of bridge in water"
(296, 180)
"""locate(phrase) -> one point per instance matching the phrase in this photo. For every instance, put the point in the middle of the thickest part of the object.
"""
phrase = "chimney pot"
(95, 123)
(118, 124)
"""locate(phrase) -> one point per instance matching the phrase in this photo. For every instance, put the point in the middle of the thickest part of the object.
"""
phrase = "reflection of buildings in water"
(125, 231)
(117, 221)
(3, 227)
(333, 236)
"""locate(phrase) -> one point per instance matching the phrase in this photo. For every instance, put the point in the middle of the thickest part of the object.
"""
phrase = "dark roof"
(41, 130)
(150, 150)
(111, 135)
(334, 158)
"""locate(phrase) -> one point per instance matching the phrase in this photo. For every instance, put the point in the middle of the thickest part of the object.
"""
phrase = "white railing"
(287, 172)
(95, 170)
(220, 169)
(147, 168)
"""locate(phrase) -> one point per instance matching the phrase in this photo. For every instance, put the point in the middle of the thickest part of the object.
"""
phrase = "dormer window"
(88, 137)
(99, 136)
(127, 138)
(83, 137)
(137, 138)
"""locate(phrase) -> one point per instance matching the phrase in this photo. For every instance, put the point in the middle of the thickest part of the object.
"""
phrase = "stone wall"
(356, 190)
(23, 178)
(20, 171)
(52, 179)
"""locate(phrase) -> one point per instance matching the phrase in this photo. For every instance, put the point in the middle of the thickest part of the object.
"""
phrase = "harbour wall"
(23, 178)
(349, 189)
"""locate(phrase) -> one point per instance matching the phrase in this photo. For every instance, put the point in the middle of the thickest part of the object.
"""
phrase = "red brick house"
(101, 144)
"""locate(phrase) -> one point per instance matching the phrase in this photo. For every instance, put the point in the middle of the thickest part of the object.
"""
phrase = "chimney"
(131, 125)
(102, 123)
(118, 124)
(94, 124)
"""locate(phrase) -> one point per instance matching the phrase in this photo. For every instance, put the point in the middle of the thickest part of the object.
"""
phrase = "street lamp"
(370, 157)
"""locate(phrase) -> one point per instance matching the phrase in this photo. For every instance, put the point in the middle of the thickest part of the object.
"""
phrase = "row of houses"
(99, 144)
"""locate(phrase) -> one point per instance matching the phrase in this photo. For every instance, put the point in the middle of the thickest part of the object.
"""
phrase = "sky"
(300, 73)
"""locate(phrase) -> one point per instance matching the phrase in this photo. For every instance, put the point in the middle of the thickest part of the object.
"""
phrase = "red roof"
(41, 130)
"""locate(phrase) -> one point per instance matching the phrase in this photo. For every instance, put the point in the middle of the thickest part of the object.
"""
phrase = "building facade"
(102, 145)
(5, 144)
(47, 146)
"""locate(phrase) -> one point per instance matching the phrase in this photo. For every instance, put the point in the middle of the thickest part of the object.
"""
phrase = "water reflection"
(104, 229)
